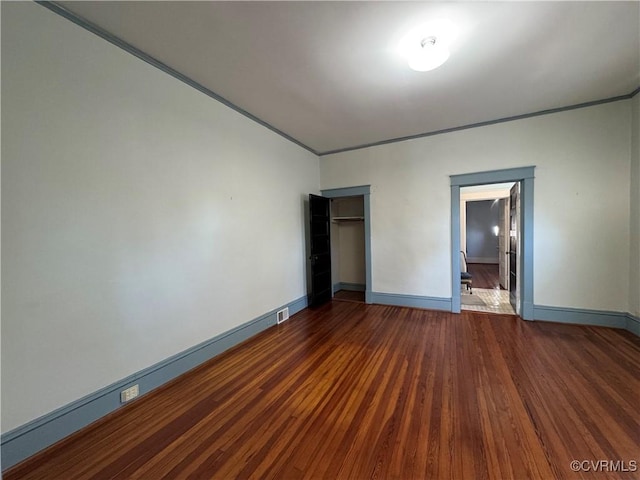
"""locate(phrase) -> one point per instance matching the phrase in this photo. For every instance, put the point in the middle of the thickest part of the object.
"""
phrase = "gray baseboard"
(487, 260)
(352, 287)
(633, 324)
(415, 301)
(580, 316)
(28, 439)
(527, 311)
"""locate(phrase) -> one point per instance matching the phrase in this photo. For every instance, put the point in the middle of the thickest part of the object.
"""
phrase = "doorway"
(351, 220)
(524, 177)
(347, 249)
(485, 240)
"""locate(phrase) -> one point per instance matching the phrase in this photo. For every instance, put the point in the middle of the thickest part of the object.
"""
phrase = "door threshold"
(349, 296)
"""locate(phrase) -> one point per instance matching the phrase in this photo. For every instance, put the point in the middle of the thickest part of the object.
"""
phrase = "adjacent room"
(320, 240)
(485, 240)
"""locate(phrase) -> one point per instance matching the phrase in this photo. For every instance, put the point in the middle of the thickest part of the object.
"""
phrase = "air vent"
(283, 315)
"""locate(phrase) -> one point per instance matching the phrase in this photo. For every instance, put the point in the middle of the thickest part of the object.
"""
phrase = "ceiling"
(486, 192)
(328, 74)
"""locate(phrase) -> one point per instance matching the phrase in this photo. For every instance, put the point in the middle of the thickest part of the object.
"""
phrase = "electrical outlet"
(129, 394)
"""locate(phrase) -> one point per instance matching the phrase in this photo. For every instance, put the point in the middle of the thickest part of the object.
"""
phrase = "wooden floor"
(349, 296)
(358, 391)
(485, 275)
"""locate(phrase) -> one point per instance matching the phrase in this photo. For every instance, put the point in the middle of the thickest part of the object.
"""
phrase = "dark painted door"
(514, 233)
(320, 229)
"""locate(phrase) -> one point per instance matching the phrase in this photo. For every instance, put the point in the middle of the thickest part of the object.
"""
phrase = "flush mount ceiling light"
(430, 56)
(427, 46)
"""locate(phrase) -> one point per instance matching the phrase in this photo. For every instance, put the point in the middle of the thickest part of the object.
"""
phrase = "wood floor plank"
(485, 275)
(349, 390)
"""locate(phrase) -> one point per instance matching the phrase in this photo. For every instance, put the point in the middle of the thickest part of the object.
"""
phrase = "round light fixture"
(430, 56)
(427, 46)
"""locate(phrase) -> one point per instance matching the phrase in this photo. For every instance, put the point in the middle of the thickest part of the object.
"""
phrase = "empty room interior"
(320, 240)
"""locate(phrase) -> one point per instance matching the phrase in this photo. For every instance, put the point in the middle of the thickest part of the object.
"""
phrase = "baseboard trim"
(599, 318)
(527, 311)
(352, 287)
(28, 439)
(415, 301)
(633, 324)
(488, 260)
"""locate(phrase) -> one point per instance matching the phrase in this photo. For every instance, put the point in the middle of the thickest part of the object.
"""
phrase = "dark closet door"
(514, 233)
(320, 218)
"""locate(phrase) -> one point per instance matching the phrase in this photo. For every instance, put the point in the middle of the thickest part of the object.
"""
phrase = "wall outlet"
(129, 394)
(283, 315)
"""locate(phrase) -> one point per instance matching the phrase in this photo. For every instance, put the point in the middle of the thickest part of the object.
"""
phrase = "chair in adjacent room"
(465, 277)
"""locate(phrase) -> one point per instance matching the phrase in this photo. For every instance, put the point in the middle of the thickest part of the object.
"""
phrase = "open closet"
(348, 246)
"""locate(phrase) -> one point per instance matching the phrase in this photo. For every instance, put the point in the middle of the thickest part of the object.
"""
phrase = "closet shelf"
(347, 219)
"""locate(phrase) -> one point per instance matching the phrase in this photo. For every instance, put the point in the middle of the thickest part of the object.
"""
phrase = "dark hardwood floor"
(485, 275)
(358, 391)
(349, 296)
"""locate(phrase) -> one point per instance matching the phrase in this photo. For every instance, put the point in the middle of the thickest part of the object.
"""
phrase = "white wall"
(634, 273)
(352, 265)
(335, 244)
(139, 216)
(581, 203)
